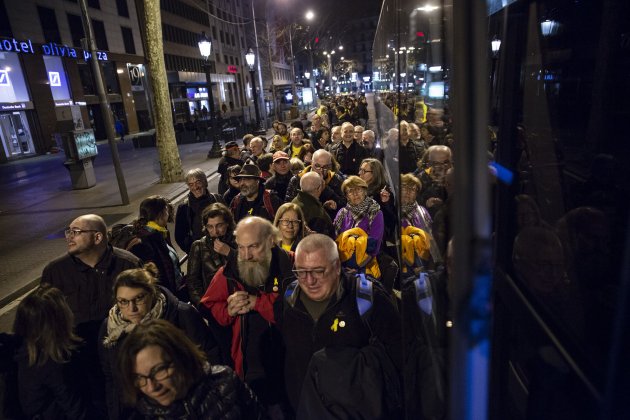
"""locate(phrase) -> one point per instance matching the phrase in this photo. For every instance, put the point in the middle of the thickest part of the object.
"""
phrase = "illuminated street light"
(205, 49)
(340, 47)
(428, 8)
(309, 15)
(250, 58)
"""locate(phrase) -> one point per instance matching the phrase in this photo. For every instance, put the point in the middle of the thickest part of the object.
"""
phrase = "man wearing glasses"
(242, 295)
(332, 198)
(321, 311)
(85, 275)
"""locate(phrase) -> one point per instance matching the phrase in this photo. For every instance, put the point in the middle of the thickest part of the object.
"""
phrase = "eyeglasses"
(364, 171)
(358, 190)
(138, 300)
(410, 188)
(316, 273)
(323, 168)
(440, 165)
(287, 222)
(158, 373)
(71, 233)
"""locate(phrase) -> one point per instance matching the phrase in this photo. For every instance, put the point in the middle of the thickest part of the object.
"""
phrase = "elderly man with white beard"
(242, 295)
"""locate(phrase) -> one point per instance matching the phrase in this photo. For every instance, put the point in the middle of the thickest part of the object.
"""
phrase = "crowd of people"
(296, 271)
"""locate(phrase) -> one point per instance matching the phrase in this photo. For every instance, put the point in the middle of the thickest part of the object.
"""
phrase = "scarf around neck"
(117, 325)
(368, 207)
(154, 226)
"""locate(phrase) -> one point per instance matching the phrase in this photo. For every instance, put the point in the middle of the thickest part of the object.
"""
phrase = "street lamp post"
(250, 58)
(205, 48)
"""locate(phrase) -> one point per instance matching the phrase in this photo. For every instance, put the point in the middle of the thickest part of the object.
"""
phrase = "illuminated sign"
(136, 73)
(85, 143)
(51, 49)
(4, 78)
(54, 78)
(16, 106)
(232, 69)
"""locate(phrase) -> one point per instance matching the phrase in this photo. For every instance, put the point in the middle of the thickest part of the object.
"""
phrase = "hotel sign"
(51, 49)
(232, 69)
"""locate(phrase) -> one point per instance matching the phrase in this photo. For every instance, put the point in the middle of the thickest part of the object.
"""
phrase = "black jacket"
(349, 158)
(54, 390)
(303, 336)
(180, 314)
(153, 247)
(241, 207)
(188, 226)
(317, 219)
(331, 192)
(203, 263)
(220, 395)
(279, 184)
(88, 290)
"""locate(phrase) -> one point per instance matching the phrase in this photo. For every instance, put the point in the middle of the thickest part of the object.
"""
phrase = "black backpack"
(122, 236)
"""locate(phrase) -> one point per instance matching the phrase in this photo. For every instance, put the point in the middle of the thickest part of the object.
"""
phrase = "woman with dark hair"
(212, 251)
(323, 139)
(50, 386)
(372, 172)
(138, 300)
(290, 222)
(152, 241)
(164, 375)
(232, 184)
(306, 154)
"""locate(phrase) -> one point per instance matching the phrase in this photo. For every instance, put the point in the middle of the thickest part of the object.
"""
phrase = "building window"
(87, 81)
(214, 33)
(76, 29)
(5, 27)
(130, 46)
(123, 9)
(233, 39)
(99, 35)
(222, 37)
(49, 24)
(94, 4)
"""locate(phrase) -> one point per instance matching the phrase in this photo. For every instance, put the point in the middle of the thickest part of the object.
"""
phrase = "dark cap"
(249, 170)
(230, 145)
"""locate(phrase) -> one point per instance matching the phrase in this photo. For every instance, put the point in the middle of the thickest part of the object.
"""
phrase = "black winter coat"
(188, 226)
(153, 247)
(220, 395)
(203, 263)
(180, 314)
(339, 325)
(54, 390)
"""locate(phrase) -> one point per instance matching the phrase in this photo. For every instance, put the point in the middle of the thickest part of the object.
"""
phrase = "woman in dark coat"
(49, 384)
(152, 242)
(164, 375)
(138, 300)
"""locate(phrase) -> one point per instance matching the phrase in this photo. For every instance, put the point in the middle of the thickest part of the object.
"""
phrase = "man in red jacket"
(242, 295)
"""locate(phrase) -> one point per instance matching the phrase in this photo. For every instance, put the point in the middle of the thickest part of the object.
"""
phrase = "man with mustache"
(242, 295)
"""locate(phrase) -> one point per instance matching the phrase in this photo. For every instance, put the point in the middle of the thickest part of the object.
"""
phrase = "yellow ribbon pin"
(333, 327)
(250, 211)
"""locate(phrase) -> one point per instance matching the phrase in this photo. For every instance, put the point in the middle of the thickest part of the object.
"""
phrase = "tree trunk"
(170, 162)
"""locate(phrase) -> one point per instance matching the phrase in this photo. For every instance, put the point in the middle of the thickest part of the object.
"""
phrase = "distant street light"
(309, 15)
(340, 47)
(205, 49)
(307, 75)
(250, 58)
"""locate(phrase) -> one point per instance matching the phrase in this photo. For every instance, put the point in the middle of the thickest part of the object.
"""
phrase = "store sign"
(53, 77)
(136, 73)
(232, 69)
(51, 49)
(16, 106)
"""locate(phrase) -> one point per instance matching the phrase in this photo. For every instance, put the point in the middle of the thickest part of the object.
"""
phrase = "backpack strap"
(424, 298)
(364, 294)
(290, 295)
(267, 203)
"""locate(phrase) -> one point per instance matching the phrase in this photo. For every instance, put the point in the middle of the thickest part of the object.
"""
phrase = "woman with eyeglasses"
(290, 221)
(138, 300)
(163, 375)
(359, 227)
(152, 242)
(232, 184)
(50, 384)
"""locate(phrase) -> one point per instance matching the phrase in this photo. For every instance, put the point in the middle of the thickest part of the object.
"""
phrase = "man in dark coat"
(316, 217)
(279, 182)
(253, 200)
(85, 275)
(348, 152)
(188, 217)
(321, 311)
(242, 295)
(231, 157)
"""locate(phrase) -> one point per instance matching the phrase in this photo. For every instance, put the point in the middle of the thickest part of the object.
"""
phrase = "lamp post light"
(495, 46)
(205, 49)
(250, 58)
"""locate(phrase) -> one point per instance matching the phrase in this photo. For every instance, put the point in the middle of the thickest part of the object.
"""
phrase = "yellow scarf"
(157, 227)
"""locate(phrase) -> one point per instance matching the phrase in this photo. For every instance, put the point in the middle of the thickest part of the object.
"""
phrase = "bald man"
(311, 187)
(85, 275)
